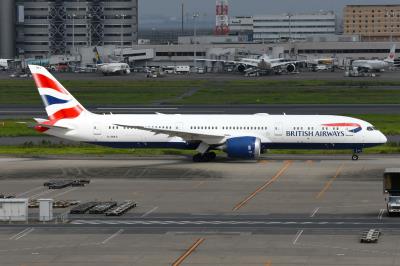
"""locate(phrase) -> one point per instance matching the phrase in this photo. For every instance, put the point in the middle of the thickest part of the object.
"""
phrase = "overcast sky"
(171, 8)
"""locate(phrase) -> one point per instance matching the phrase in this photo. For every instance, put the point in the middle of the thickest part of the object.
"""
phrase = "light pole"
(89, 18)
(195, 16)
(183, 17)
(73, 32)
(122, 16)
(290, 26)
(391, 16)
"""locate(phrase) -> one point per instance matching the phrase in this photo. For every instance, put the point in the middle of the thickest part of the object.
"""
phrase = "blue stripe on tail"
(50, 100)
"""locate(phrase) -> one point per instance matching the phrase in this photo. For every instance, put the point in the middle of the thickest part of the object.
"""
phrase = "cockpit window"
(371, 128)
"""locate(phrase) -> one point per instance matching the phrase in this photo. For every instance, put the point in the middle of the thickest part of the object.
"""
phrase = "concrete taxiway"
(281, 210)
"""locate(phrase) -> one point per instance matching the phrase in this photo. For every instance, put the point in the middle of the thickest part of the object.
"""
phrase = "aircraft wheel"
(211, 155)
(198, 158)
(354, 157)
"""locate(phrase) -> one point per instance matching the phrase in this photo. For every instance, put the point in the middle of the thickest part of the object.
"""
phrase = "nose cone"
(382, 138)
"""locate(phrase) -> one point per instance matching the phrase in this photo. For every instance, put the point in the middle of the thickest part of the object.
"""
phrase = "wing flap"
(178, 133)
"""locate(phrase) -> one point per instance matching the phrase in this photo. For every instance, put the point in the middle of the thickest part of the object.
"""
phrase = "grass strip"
(106, 92)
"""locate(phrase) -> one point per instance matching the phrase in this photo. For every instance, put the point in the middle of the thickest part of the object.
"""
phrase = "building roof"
(13, 200)
(391, 5)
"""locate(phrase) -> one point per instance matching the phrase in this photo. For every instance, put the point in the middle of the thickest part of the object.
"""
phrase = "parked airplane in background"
(4, 63)
(115, 68)
(263, 63)
(376, 64)
(240, 136)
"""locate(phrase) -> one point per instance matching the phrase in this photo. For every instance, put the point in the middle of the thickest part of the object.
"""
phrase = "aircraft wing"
(186, 135)
(280, 64)
(247, 63)
(217, 60)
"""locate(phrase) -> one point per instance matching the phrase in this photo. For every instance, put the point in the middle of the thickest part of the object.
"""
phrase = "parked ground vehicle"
(391, 187)
(182, 69)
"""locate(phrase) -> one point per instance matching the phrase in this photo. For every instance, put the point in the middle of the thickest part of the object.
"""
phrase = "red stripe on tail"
(66, 113)
(44, 82)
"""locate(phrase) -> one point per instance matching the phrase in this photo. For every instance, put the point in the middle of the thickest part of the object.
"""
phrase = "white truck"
(391, 188)
(182, 69)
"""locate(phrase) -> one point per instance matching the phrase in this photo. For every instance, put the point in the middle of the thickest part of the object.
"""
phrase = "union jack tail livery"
(59, 103)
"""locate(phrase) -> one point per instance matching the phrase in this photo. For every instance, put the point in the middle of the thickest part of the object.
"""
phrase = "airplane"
(263, 62)
(376, 64)
(239, 136)
(114, 68)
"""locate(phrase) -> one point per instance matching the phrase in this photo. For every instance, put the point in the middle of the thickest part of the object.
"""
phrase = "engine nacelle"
(241, 68)
(290, 68)
(243, 147)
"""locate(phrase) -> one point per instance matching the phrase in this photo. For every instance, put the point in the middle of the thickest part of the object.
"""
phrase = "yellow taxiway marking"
(330, 182)
(188, 252)
(264, 186)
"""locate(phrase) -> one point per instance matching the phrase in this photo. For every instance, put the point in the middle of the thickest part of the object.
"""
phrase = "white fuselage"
(114, 68)
(274, 131)
(371, 64)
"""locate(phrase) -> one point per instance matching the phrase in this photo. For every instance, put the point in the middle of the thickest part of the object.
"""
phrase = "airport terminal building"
(272, 28)
(57, 27)
(373, 22)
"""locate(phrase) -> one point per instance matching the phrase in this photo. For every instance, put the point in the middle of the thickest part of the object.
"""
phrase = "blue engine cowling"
(243, 147)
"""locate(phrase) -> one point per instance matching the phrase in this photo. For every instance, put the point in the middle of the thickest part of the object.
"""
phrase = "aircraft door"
(97, 133)
(178, 126)
(278, 130)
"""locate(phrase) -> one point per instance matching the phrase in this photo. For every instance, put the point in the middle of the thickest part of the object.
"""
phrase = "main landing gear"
(355, 154)
(205, 157)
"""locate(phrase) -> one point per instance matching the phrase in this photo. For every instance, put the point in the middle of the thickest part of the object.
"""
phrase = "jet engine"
(290, 68)
(243, 148)
(241, 68)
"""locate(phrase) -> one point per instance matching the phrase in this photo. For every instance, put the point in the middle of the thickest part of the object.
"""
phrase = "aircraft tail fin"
(392, 54)
(97, 56)
(59, 103)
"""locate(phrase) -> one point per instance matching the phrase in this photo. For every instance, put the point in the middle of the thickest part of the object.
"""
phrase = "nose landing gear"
(355, 154)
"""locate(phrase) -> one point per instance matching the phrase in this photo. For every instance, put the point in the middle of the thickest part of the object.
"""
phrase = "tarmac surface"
(281, 210)
(303, 75)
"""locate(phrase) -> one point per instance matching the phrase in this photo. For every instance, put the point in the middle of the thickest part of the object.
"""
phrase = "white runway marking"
(147, 213)
(380, 215)
(29, 191)
(65, 192)
(25, 234)
(185, 222)
(14, 237)
(41, 194)
(314, 212)
(112, 236)
(298, 235)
